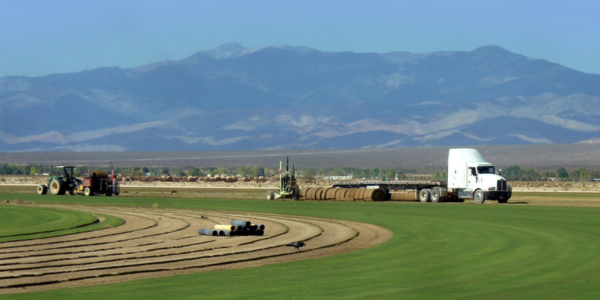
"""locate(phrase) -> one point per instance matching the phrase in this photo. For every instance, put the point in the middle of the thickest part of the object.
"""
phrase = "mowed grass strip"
(438, 251)
(19, 223)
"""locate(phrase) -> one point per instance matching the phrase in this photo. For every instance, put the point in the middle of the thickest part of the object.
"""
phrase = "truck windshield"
(486, 170)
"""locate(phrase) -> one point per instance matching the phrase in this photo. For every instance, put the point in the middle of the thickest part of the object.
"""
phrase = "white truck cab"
(471, 177)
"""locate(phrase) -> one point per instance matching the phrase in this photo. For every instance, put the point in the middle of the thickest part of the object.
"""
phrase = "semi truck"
(470, 176)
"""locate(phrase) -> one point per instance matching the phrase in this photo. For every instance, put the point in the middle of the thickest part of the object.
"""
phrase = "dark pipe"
(208, 232)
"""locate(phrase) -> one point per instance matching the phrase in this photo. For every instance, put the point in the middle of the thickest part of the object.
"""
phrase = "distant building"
(347, 177)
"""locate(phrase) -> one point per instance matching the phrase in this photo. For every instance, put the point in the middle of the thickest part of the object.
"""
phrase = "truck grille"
(501, 185)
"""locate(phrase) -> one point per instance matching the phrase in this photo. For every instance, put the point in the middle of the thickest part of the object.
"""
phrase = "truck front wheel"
(424, 195)
(479, 197)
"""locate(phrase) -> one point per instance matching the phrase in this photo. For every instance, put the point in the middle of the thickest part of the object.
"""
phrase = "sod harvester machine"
(94, 182)
(287, 183)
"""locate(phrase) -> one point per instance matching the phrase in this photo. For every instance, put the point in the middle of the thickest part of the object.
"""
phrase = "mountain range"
(286, 97)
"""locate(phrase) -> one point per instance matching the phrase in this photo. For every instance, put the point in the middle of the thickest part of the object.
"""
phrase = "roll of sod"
(318, 193)
(350, 194)
(330, 194)
(340, 194)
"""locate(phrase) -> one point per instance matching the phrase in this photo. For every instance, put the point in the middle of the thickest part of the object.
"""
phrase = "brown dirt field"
(164, 242)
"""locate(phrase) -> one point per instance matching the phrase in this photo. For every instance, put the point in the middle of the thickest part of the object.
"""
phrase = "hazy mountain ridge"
(236, 98)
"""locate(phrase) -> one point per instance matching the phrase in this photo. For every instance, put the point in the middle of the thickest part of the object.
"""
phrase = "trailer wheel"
(88, 191)
(424, 195)
(42, 189)
(434, 195)
(479, 197)
(270, 195)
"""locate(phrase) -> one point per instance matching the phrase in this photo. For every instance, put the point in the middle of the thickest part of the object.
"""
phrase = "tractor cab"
(67, 172)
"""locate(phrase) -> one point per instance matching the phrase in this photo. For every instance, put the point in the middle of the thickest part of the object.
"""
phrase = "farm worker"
(115, 185)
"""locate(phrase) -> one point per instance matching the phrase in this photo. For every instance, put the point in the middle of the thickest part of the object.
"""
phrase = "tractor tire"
(424, 195)
(87, 191)
(57, 187)
(270, 195)
(479, 197)
(42, 189)
(434, 195)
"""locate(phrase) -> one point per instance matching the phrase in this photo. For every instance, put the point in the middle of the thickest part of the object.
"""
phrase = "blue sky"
(60, 36)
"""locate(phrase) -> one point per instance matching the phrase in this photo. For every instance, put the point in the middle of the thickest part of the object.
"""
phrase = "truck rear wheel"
(434, 195)
(479, 197)
(42, 189)
(424, 195)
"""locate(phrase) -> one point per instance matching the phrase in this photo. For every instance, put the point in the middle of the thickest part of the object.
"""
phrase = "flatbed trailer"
(405, 190)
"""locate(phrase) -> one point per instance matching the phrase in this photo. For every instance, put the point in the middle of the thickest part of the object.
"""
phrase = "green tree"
(390, 174)
(574, 176)
(258, 171)
(562, 174)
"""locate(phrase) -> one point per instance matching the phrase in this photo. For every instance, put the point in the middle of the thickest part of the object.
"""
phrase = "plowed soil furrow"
(161, 242)
(225, 246)
(132, 224)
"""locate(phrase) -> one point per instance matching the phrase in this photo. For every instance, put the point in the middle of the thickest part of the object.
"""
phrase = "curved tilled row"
(154, 242)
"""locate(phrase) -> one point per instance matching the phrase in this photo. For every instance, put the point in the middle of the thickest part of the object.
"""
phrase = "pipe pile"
(236, 228)
(243, 227)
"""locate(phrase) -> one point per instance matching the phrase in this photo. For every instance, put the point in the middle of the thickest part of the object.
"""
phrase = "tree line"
(516, 173)
(513, 173)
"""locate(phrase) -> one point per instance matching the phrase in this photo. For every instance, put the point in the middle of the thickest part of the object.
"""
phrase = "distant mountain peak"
(491, 49)
(229, 50)
(229, 47)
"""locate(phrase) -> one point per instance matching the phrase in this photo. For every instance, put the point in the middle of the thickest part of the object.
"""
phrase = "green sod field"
(438, 251)
(24, 223)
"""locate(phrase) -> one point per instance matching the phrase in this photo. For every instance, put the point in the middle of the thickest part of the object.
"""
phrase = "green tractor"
(287, 184)
(60, 184)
